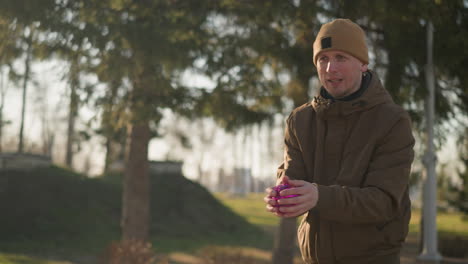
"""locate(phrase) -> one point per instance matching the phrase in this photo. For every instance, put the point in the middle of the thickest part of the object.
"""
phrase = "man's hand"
(295, 206)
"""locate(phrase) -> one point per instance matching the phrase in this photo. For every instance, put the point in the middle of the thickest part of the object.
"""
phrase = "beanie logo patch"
(326, 43)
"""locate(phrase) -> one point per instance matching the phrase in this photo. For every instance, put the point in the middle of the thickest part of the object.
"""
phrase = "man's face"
(339, 73)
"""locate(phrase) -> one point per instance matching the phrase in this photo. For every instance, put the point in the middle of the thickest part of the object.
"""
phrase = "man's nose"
(331, 66)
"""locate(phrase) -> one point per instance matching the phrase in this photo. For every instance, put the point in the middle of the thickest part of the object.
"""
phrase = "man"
(348, 156)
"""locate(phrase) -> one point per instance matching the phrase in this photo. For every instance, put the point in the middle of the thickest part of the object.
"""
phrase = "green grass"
(54, 211)
(22, 259)
(251, 207)
(448, 224)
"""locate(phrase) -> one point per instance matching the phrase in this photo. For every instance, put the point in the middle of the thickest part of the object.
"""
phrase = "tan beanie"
(344, 35)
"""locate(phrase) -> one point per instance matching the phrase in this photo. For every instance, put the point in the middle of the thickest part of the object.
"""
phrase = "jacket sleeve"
(386, 182)
(293, 163)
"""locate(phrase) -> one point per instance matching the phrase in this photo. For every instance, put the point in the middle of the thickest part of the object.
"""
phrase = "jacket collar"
(366, 98)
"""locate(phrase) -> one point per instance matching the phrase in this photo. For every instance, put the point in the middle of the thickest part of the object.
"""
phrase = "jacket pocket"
(396, 230)
(356, 240)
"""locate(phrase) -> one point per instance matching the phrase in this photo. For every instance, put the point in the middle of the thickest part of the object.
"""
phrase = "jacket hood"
(374, 94)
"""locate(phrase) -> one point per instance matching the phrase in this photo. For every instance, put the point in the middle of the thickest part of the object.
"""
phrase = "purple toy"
(278, 189)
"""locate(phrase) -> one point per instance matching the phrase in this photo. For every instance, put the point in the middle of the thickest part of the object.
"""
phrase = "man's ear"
(363, 67)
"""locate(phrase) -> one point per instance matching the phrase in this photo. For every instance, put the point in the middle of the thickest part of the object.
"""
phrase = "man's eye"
(340, 58)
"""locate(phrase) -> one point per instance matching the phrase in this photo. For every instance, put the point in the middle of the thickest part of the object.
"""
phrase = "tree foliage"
(246, 48)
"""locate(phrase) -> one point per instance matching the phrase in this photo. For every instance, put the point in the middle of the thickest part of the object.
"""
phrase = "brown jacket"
(359, 152)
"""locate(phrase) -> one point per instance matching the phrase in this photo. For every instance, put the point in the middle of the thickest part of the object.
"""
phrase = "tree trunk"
(136, 189)
(285, 241)
(107, 161)
(2, 103)
(71, 128)
(72, 112)
(200, 168)
(27, 65)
